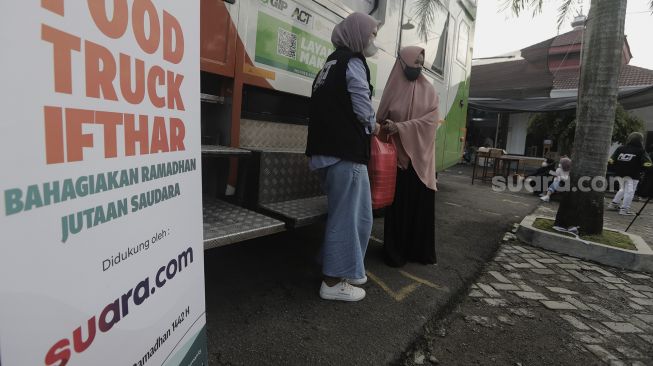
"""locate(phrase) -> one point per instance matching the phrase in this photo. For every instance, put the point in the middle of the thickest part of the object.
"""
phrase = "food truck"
(258, 62)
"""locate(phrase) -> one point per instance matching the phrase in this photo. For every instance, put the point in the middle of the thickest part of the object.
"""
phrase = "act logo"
(302, 15)
(626, 157)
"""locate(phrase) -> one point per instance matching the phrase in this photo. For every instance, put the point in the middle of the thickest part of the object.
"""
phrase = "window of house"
(428, 32)
(463, 43)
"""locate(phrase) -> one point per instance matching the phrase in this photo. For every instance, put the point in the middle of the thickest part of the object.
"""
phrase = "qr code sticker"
(286, 43)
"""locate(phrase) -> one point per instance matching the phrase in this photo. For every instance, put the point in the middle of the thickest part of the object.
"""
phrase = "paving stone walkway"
(535, 307)
(608, 312)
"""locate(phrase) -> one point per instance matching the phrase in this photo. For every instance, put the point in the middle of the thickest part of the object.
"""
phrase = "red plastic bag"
(382, 170)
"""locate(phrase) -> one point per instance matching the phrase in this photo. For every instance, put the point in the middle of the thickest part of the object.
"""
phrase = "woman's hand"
(377, 128)
(390, 127)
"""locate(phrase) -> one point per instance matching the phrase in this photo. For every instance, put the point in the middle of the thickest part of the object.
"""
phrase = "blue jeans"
(553, 188)
(349, 221)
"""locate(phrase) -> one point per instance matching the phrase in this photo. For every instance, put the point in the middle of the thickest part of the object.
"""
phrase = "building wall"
(563, 93)
(517, 130)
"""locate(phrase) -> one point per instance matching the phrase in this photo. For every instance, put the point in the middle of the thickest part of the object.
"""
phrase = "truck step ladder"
(225, 223)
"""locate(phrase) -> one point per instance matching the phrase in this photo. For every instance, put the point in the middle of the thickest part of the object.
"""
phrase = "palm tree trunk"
(597, 101)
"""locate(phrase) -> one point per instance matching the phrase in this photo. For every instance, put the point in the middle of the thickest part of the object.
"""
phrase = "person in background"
(539, 179)
(628, 161)
(561, 177)
(645, 186)
(341, 121)
(409, 113)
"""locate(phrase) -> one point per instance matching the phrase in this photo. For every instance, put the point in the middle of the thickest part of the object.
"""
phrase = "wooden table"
(501, 165)
(532, 162)
(487, 172)
(504, 163)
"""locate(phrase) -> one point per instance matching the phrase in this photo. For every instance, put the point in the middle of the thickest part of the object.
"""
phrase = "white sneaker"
(613, 206)
(343, 291)
(545, 198)
(357, 281)
(571, 230)
(625, 212)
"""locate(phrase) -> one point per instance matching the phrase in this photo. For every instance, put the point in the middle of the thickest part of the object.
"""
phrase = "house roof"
(633, 75)
(637, 97)
(526, 77)
(512, 79)
(572, 37)
(530, 76)
(630, 76)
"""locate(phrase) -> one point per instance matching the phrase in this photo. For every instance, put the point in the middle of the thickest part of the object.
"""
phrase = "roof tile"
(630, 76)
(572, 37)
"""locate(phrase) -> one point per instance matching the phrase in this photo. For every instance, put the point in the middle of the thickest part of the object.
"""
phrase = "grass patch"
(608, 237)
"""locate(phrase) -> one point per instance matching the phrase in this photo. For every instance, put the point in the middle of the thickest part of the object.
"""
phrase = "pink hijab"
(414, 106)
(354, 32)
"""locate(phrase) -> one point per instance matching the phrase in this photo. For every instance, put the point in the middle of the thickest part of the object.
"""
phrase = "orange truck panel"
(217, 39)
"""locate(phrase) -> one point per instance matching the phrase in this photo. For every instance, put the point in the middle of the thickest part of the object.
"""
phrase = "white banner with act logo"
(101, 259)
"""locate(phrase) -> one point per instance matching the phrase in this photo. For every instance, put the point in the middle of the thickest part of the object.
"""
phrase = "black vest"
(333, 128)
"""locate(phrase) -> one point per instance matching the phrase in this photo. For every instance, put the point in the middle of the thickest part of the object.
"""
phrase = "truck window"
(463, 43)
(350, 6)
(363, 6)
(426, 24)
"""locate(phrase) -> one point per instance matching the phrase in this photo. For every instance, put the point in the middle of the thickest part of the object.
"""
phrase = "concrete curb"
(636, 260)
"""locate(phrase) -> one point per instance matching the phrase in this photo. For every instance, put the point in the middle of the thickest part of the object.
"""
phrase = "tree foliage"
(566, 8)
(561, 128)
(624, 124)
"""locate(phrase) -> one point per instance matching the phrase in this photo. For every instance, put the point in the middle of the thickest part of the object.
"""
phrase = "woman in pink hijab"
(409, 114)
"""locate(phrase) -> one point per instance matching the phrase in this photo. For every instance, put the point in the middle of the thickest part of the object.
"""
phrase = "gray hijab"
(635, 139)
(354, 32)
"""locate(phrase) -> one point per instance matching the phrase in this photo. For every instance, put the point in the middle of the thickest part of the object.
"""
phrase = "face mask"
(371, 48)
(412, 73)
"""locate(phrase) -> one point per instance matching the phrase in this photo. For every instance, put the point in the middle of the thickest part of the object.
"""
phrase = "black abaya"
(410, 222)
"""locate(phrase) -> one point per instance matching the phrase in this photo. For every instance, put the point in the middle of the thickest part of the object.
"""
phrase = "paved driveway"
(262, 297)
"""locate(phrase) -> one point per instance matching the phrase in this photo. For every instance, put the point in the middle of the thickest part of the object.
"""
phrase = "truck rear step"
(225, 223)
(299, 212)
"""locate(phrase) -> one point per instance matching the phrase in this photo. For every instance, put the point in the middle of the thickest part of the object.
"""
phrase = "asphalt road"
(262, 297)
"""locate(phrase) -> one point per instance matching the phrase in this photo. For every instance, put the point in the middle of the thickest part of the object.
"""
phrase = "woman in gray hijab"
(341, 121)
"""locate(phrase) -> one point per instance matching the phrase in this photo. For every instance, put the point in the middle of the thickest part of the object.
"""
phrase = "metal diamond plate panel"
(225, 223)
(285, 176)
(301, 211)
(271, 135)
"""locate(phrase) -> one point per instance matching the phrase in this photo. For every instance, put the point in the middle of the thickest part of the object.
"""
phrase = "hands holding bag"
(389, 127)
